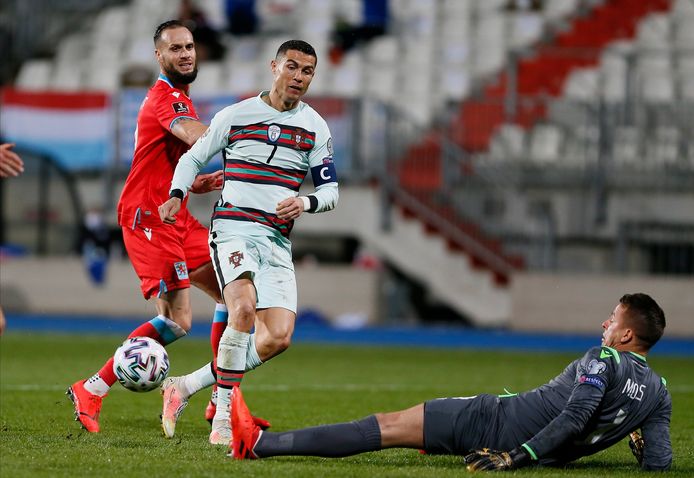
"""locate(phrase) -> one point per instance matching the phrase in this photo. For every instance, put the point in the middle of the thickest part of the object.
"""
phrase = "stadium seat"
(34, 75)
(347, 77)
(545, 143)
(209, 79)
(653, 32)
(508, 143)
(556, 10)
(626, 147)
(582, 84)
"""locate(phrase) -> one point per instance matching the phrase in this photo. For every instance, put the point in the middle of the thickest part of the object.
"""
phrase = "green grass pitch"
(308, 385)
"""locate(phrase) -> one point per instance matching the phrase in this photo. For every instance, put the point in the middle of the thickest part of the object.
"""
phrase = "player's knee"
(243, 311)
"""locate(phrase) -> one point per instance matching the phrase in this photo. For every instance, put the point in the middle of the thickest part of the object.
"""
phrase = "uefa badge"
(273, 132)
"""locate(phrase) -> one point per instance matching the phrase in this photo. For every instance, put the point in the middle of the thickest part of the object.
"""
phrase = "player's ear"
(628, 336)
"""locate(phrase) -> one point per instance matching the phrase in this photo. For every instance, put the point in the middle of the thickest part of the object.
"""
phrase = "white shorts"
(268, 260)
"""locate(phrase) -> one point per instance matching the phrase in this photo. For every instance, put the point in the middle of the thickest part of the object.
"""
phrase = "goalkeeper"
(598, 400)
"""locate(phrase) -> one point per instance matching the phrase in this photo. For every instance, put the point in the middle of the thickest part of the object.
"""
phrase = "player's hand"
(636, 444)
(168, 210)
(495, 460)
(10, 162)
(204, 183)
(290, 208)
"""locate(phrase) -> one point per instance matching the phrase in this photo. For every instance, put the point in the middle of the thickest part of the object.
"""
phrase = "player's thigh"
(158, 257)
(233, 257)
(275, 280)
(457, 425)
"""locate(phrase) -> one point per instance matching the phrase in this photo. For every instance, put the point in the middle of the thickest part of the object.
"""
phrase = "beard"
(180, 78)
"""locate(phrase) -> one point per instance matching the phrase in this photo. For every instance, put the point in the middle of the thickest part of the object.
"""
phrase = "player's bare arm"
(188, 130)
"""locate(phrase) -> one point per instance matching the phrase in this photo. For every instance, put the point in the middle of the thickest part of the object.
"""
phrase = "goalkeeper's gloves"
(495, 460)
(636, 445)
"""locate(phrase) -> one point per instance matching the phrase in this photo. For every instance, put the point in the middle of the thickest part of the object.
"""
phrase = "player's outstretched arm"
(168, 210)
(188, 130)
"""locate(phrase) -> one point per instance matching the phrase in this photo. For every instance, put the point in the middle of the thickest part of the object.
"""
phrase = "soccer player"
(270, 143)
(594, 403)
(166, 259)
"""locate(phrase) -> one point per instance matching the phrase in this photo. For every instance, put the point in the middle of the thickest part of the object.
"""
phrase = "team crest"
(298, 137)
(235, 258)
(181, 270)
(273, 132)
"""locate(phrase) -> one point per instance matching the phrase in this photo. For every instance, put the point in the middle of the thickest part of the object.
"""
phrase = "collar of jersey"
(638, 356)
(166, 80)
(267, 92)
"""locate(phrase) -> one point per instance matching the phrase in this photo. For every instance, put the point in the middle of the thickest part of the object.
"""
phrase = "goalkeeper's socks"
(341, 439)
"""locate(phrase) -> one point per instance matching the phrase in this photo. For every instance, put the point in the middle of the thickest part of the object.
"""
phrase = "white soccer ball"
(141, 364)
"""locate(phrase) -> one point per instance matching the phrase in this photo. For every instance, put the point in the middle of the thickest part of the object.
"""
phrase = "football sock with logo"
(160, 328)
(340, 439)
(231, 364)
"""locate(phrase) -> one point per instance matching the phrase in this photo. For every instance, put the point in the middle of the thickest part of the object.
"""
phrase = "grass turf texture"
(308, 385)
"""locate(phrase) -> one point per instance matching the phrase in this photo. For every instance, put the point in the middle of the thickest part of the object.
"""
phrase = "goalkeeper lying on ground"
(594, 403)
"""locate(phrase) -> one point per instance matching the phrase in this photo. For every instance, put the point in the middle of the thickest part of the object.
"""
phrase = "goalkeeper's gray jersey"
(594, 403)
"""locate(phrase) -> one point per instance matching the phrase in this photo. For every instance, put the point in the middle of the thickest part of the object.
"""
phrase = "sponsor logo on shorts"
(148, 233)
(179, 107)
(236, 258)
(181, 270)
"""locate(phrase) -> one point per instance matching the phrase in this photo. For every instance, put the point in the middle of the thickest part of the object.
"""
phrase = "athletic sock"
(219, 324)
(196, 381)
(231, 363)
(160, 328)
(206, 375)
(252, 358)
(341, 439)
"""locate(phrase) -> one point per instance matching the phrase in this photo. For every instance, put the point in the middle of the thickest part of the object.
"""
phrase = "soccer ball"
(141, 364)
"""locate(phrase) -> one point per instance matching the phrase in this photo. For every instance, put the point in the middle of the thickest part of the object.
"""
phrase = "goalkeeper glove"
(495, 460)
(636, 445)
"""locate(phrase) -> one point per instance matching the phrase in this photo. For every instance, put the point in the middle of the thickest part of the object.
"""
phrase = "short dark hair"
(298, 45)
(165, 26)
(645, 316)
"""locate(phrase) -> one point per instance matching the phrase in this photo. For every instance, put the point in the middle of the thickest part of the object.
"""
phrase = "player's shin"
(231, 364)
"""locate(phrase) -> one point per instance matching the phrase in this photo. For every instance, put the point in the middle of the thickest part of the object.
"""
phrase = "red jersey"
(157, 152)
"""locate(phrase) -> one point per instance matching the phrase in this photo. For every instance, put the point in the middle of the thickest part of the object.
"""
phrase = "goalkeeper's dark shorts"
(457, 425)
